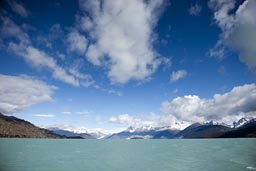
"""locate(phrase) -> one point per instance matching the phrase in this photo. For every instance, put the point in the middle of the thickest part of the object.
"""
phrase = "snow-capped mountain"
(98, 133)
(216, 123)
(210, 129)
(243, 121)
(71, 134)
(145, 132)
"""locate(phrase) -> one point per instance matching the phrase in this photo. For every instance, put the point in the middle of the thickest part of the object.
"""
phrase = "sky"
(106, 65)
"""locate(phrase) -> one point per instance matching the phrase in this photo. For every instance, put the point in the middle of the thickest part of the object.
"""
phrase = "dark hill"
(248, 130)
(187, 130)
(11, 126)
(203, 131)
(165, 134)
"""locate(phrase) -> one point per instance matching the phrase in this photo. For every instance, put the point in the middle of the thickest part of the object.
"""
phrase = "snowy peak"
(243, 121)
(215, 123)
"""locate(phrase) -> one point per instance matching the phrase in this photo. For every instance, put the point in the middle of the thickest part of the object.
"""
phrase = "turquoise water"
(127, 155)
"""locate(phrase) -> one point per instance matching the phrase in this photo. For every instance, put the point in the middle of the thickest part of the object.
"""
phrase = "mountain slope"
(144, 133)
(187, 130)
(165, 134)
(11, 126)
(243, 121)
(134, 133)
(203, 131)
(246, 130)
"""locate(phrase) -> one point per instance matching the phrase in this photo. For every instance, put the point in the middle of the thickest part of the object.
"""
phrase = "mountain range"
(144, 133)
(71, 134)
(245, 127)
(11, 126)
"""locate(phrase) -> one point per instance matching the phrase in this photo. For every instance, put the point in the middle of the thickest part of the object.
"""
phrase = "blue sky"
(111, 64)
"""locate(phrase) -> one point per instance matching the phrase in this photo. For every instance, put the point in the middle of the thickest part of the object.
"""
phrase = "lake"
(127, 155)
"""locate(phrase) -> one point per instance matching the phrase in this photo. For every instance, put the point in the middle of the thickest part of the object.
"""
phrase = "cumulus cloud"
(226, 107)
(18, 8)
(176, 75)
(149, 120)
(85, 23)
(20, 92)
(44, 115)
(126, 119)
(238, 29)
(76, 42)
(195, 10)
(123, 36)
(180, 112)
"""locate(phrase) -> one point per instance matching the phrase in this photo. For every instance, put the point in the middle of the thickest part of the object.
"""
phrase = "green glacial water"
(127, 155)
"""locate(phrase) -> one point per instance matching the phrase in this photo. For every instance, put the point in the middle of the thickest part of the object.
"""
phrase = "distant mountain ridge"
(134, 133)
(71, 134)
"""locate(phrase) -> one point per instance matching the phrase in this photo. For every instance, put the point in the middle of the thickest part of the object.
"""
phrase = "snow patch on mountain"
(243, 121)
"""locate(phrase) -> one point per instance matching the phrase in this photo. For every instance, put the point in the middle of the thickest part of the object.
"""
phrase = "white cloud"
(226, 107)
(38, 58)
(238, 29)
(76, 42)
(67, 112)
(123, 36)
(20, 92)
(195, 10)
(85, 113)
(9, 29)
(84, 23)
(166, 63)
(94, 54)
(118, 93)
(124, 119)
(183, 108)
(180, 112)
(176, 75)
(86, 80)
(138, 122)
(110, 91)
(44, 115)
(18, 8)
